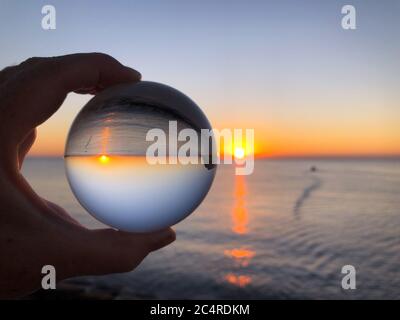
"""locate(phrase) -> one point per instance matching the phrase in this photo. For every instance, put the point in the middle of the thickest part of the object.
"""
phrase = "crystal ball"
(133, 160)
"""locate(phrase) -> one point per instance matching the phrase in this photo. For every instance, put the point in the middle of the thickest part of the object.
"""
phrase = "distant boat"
(313, 168)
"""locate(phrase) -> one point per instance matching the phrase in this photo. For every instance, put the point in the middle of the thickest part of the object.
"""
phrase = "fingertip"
(124, 250)
(136, 75)
(170, 235)
(161, 238)
(145, 242)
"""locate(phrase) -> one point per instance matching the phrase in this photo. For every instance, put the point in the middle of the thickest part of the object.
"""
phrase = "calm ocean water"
(283, 232)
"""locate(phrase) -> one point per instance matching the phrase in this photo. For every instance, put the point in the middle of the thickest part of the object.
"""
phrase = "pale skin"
(33, 231)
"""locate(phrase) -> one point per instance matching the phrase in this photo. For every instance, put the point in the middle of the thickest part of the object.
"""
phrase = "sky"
(286, 69)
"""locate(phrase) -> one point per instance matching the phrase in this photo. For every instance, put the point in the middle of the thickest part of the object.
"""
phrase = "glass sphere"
(122, 169)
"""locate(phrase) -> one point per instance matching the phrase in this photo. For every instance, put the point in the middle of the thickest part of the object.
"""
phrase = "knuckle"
(8, 69)
(31, 61)
(34, 68)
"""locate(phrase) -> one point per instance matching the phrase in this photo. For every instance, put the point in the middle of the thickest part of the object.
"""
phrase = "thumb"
(112, 251)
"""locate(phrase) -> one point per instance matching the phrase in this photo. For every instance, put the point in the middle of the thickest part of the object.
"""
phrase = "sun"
(104, 159)
(239, 153)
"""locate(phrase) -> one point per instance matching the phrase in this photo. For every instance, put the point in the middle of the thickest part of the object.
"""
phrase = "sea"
(294, 229)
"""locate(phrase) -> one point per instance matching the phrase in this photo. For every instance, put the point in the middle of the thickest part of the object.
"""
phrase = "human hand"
(35, 232)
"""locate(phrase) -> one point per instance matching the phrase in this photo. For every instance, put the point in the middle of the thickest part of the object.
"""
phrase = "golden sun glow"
(239, 149)
(239, 152)
(104, 159)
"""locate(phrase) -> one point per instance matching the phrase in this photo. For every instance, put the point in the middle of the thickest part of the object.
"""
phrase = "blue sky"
(272, 65)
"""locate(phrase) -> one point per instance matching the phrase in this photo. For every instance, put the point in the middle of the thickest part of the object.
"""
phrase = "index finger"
(39, 89)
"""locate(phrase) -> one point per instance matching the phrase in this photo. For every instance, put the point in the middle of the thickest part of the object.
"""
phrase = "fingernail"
(136, 73)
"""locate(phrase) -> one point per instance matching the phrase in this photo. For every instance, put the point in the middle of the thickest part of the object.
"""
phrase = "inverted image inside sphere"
(106, 161)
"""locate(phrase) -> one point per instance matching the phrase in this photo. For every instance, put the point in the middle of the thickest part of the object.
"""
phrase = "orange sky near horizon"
(279, 137)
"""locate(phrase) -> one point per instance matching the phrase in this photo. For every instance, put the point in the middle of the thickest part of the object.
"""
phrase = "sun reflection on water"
(240, 217)
(238, 280)
(242, 255)
(105, 137)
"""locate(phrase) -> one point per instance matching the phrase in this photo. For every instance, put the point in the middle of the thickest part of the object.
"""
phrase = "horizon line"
(277, 157)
